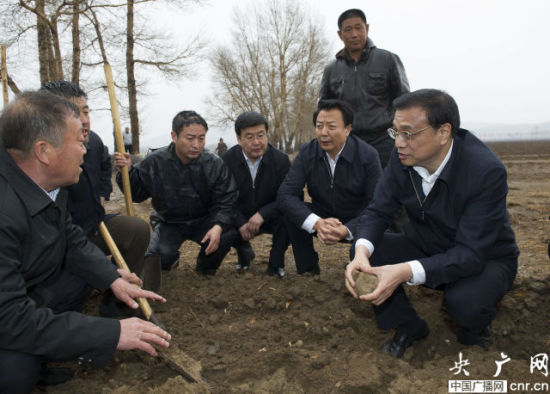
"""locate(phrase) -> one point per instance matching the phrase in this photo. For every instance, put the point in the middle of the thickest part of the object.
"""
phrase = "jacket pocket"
(376, 84)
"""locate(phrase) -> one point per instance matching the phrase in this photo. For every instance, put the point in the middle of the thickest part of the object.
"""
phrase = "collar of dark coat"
(30, 193)
(347, 154)
(343, 53)
(458, 142)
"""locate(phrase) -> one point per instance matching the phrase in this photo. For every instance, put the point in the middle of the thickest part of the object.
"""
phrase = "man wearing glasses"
(459, 239)
(366, 77)
(340, 172)
(259, 169)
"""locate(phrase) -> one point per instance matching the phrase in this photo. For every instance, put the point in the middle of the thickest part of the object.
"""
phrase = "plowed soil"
(303, 334)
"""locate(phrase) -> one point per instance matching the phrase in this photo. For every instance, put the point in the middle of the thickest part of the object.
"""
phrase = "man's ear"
(42, 150)
(340, 35)
(446, 132)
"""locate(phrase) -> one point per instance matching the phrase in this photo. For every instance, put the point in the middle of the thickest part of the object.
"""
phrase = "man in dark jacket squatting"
(193, 195)
(258, 168)
(47, 266)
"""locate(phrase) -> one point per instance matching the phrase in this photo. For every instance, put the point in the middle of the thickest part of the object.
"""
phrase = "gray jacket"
(369, 86)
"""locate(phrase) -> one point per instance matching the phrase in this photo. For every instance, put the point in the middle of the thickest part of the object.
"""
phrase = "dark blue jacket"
(461, 224)
(94, 182)
(260, 195)
(343, 196)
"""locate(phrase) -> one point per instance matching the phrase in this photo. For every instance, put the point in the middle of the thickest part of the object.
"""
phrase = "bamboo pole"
(4, 76)
(119, 142)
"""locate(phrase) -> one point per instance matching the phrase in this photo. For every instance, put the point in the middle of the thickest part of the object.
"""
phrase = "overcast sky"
(492, 56)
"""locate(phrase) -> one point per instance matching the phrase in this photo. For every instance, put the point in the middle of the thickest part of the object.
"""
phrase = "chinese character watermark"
(540, 362)
(460, 365)
(500, 363)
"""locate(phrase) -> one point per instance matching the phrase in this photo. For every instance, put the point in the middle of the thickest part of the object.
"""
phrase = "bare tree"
(273, 65)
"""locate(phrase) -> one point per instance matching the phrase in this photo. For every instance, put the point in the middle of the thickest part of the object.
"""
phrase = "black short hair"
(249, 119)
(186, 118)
(65, 89)
(440, 107)
(33, 116)
(327, 105)
(351, 13)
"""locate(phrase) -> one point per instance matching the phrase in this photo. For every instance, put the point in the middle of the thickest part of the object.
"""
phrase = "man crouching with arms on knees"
(47, 266)
(459, 239)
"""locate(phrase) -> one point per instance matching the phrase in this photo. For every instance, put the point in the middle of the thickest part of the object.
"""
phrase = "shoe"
(205, 271)
(479, 337)
(280, 272)
(404, 337)
(168, 265)
(240, 267)
(54, 376)
(312, 271)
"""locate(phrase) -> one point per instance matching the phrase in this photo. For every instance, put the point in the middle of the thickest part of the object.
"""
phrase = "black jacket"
(461, 224)
(95, 181)
(260, 195)
(185, 194)
(343, 196)
(37, 239)
(369, 86)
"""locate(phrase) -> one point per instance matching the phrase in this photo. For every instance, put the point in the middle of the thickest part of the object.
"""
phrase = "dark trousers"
(131, 235)
(166, 240)
(471, 302)
(305, 256)
(19, 372)
(279, 241)
(384, 146)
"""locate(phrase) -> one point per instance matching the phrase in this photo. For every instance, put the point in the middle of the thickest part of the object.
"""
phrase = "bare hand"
(389, 277)
(102, 201)
(127, 292)
(330, 231)
(140, 334)
(246, 234)
(213, 235)
(255, 222)
(359, 263)
(129, 277)
(122, 159)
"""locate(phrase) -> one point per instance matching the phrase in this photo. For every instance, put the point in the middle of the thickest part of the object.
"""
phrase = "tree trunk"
(76, 43)
(130, 71)
(44, 44)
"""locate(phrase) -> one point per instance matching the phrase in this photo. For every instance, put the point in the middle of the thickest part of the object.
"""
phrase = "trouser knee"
(18, 372)
(468, 311)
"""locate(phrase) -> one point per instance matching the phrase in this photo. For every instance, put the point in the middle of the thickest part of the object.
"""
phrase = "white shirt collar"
(429, 180)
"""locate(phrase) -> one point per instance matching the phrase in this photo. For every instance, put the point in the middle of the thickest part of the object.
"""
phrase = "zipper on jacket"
(330, 174)
(421, 202)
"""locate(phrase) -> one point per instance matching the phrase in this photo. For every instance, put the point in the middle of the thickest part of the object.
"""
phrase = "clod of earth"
(365, 283)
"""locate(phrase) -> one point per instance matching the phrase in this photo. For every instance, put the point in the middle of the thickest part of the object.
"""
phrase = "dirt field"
(254, 333)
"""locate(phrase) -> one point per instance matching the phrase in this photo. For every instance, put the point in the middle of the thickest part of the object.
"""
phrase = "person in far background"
(222, 147)
(127, 138)
(259, 169)
(368, 78)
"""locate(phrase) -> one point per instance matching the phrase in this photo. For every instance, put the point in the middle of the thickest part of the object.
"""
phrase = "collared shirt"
(253, 167)
(52, 194)
(428, 181)
(310, 221)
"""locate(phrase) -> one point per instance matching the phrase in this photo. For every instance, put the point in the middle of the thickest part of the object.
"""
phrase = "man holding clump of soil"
(459, 238)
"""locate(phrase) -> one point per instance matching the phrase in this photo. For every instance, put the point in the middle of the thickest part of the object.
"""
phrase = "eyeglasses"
(405, 134)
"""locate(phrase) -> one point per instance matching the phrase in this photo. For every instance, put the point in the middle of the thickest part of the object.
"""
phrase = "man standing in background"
(127, 138)
(366, 77)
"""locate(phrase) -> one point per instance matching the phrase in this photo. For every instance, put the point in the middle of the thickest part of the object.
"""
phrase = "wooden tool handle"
(119, 142)
(119, 261)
